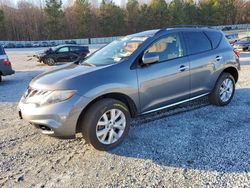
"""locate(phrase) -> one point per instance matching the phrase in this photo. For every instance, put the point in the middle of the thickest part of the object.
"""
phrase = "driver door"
(167, 81)
(63, 54)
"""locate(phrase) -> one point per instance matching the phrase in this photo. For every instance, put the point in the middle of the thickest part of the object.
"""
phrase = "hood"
(61, 77)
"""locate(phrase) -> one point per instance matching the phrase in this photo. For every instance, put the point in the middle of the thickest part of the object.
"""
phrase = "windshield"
(116, 51)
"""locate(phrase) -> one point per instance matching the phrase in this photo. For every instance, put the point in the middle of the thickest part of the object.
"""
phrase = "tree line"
(82, 19)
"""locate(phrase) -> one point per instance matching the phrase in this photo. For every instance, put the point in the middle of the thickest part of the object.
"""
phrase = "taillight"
(237, 53)
(6, 62)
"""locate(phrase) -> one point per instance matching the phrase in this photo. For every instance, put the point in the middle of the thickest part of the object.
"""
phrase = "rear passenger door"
(75, 52)
(203, 60)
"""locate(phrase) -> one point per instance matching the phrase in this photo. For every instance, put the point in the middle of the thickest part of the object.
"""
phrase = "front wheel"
(223, 91)
(106, 124)
(50, 61)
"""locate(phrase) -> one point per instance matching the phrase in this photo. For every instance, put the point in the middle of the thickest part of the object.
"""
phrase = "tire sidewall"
(47, 61)
(97, 112)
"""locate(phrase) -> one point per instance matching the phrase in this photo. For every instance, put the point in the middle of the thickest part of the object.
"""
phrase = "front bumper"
(59, 120)
(38, 57)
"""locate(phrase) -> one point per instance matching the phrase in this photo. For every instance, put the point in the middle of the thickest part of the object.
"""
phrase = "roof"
(151, 33)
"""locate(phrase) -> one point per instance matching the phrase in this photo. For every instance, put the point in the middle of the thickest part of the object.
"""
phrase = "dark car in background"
(243, 44)
(5, 65)
(232, 38)
(62, 53)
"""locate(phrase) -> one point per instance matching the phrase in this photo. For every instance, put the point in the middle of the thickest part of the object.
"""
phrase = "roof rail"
(191, 26)
(183, 26)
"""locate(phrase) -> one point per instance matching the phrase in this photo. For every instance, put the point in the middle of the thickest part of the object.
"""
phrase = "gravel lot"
(194, 145)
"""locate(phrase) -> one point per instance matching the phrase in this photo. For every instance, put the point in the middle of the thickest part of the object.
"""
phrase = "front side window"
(63, 50)
(167, 48)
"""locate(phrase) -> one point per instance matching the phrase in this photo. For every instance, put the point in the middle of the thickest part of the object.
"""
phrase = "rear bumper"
(7, 72)
(57, 120)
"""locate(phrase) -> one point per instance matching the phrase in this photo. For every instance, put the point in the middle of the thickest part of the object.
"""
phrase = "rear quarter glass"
(215, 38)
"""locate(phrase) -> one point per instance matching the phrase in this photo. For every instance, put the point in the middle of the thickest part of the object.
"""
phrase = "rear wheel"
(50, 61)
(0, 78)
(223, 91)
(106, 124)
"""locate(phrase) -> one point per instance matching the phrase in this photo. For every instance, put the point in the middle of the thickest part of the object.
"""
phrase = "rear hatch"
(5, 65)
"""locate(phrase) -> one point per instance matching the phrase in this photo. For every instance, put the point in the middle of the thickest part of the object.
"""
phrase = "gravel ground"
(194, 145)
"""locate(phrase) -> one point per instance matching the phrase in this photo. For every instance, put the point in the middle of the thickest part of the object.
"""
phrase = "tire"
(93, 123)
(223, 91)
(50, 61)
(1, 79)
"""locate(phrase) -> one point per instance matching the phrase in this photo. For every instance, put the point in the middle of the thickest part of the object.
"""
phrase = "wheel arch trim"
(128, 101)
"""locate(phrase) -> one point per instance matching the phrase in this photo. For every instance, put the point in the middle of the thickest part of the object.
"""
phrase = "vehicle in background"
(227, 28)
(52, 44)
(62, 53)
(70, 42)
(28, 45)
(232, 38)
(243, 44)
(45, 44)
(5, 65)
(135, 75)
(36, 44)
(9, 45)
(19, 45)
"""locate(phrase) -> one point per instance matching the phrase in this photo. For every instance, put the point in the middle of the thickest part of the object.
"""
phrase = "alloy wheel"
(111, 126)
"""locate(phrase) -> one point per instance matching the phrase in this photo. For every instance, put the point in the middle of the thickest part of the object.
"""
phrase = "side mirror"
(149, 58)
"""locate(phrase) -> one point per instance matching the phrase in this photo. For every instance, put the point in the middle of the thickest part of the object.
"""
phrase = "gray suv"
(5, 65)
(138, 74)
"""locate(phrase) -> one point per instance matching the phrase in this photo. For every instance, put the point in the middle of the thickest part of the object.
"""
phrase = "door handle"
(183, 68)
(218, 58)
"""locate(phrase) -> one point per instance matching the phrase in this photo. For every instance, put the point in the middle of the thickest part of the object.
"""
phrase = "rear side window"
(74, 49)
(197, 42)
(2, 52)
(215, 37)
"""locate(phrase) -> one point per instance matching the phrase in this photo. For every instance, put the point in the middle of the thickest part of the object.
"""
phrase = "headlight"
(50, 97)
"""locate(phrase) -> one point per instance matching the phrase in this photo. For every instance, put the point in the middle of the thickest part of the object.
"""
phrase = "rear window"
(2, 52)
(215, 37)
(197, 42)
